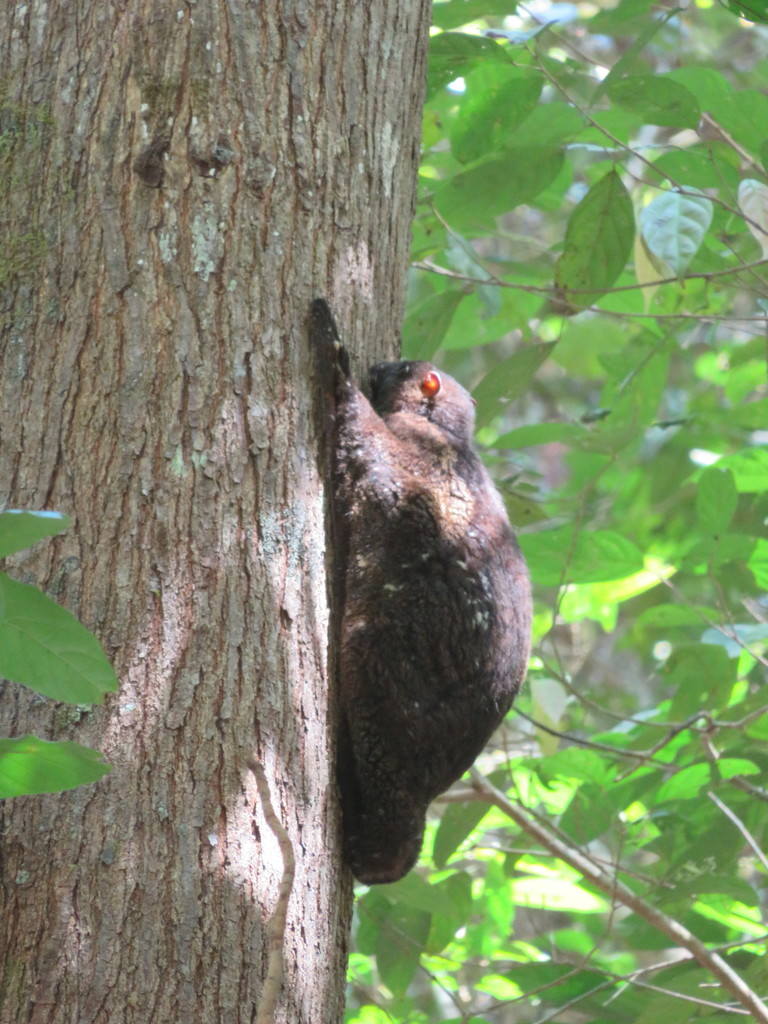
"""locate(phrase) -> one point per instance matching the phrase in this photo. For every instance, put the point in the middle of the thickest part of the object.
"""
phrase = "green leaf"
(752, 10)
(486, 120)
(674, 226)
(555, 894)
(703, 677)
(20, 529)
(588, 815)
(598, 242)
(452, 911)
(402, 939)
(632, 56)
(456, 823)
(731, 767)
(688, 782)
(542, 433)
(448, 14)
(658, 100)
(453, 55)
(31, 765)
(43, 646)
(556, 556)
(699, 167)
(548, 125)
(685, 784)
(758, 563)
(473, 198)
(426, 324)
(716, 499)
(749, 468)
(508, 381)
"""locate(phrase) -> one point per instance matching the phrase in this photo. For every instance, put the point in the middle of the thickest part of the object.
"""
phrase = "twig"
(741, 827)
(616, 889)
(275, 929)
(740, 783)
(536, 289)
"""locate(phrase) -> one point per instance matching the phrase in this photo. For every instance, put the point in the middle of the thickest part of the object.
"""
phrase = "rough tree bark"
(177, 182)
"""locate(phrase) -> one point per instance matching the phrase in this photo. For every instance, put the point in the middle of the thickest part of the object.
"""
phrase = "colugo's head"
(421, 389)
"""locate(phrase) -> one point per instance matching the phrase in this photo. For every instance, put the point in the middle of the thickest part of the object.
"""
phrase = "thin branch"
(741, 827)
(718, 132)
(616, 889)
(535, 289)
(741, 783)
(275, 929)
(631, 980)
(729, 634)
(636, 755)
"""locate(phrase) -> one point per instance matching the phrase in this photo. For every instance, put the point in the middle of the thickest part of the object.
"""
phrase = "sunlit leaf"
(485, 122)
(716, 498)
(31, 765)
(555, 894)
(758, 563)
(558, 555)
(457, 822)
(685, 784)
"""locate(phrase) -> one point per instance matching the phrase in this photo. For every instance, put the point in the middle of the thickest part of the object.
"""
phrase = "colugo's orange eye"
(431, 384)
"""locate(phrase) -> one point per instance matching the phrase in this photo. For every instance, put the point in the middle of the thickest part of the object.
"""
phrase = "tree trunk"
(178, 182)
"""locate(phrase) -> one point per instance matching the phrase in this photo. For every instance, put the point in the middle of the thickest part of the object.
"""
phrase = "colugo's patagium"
(435, 632)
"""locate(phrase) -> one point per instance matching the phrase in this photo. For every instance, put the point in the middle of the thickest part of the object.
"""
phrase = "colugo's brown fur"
(437, 604)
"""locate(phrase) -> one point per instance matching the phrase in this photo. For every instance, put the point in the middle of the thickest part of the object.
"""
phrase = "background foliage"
(590, 255)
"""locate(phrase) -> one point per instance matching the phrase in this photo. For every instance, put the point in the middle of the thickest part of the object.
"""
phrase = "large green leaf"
(658, 100)
(31, 765)
(598, 242)
(558, 556)
(485, 121)
(20, 529)
(426, 324)
(508, 381)
(403, 937)
(716, 498)
(457, 822)
(43, 646)
(473, 198)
